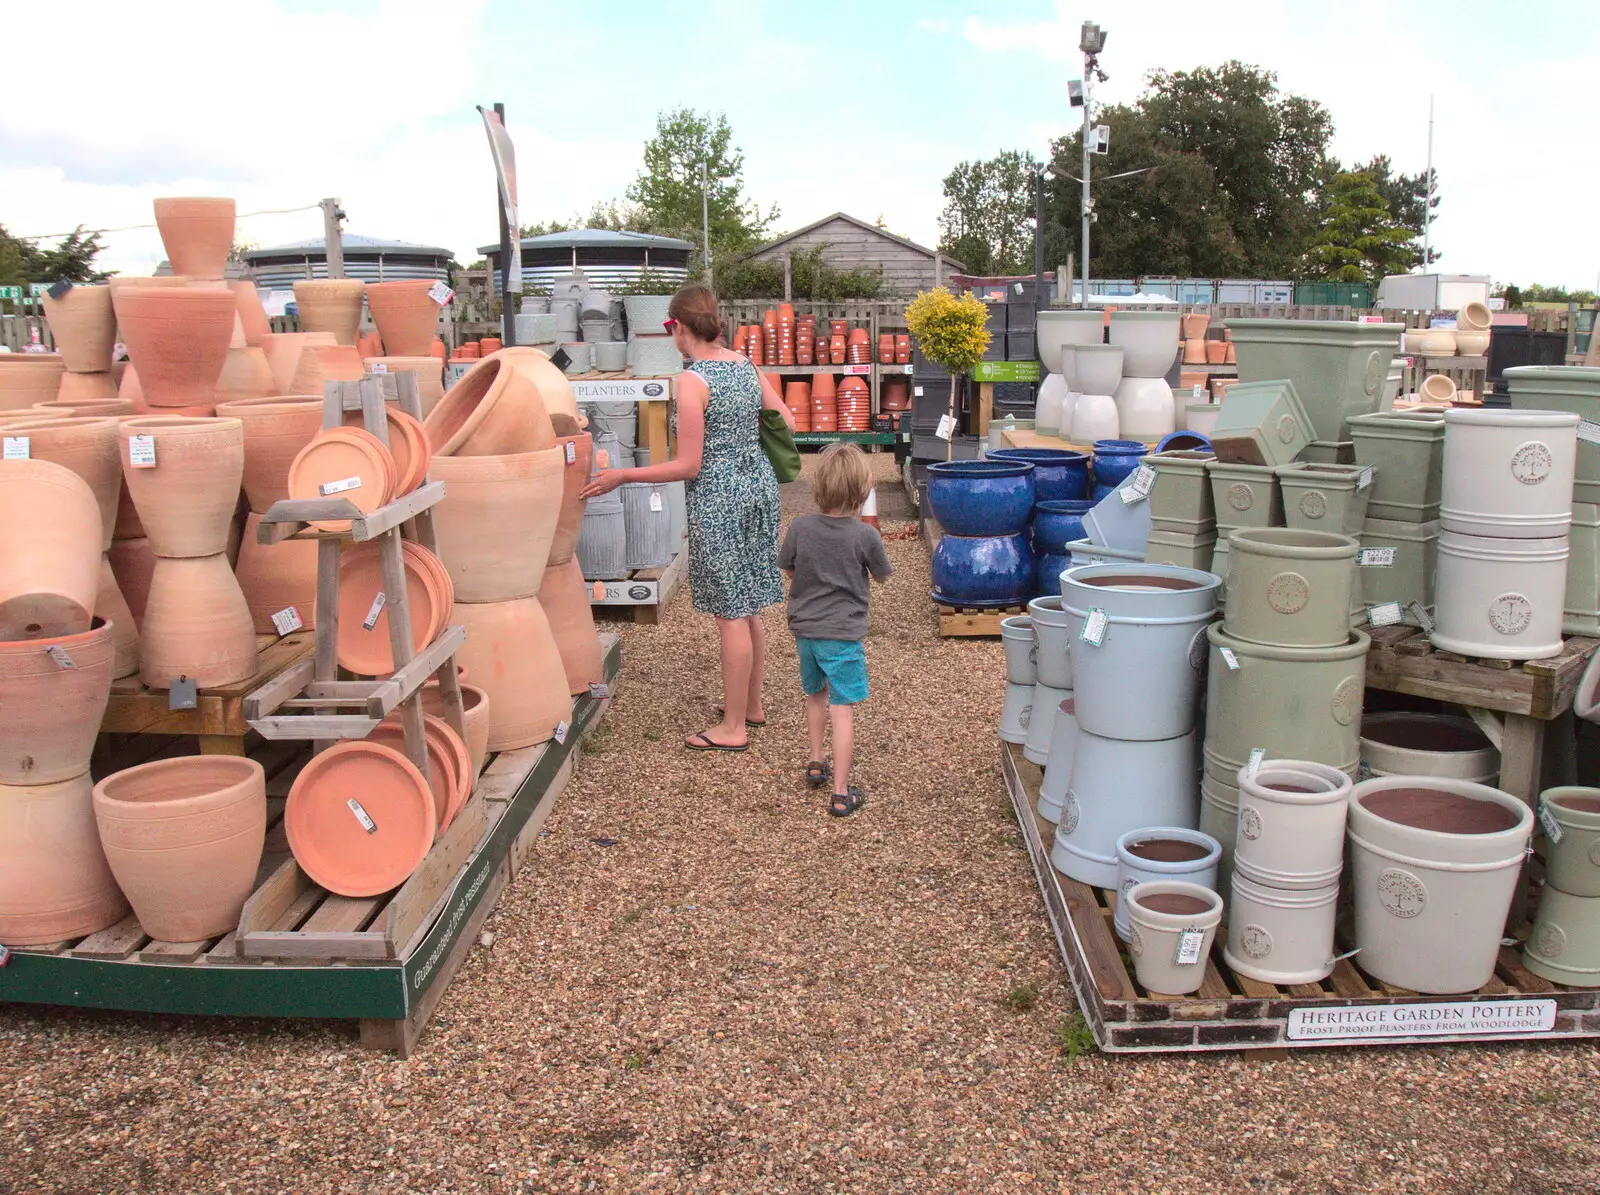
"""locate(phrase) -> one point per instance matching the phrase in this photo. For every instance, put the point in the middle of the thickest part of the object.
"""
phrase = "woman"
(732, 502)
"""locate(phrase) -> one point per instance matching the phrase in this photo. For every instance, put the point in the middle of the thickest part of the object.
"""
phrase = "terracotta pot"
(85, 406)
(178, 340)
(196, 624)
(252, 318)
(371, 345)
(130, 390)
(336, 456)
(470, 351)
(186, 501)
(330, 305)
(54, 881)
(450, 774)
(110, 605)
(197, 233)
(429, 374)
(474, 716)
(184, 839)
(283, 351)
(365, 649)
(133, 563)
(574, 478)
(1194, 326)
(565, 598)
(320, 364)
(49, 550)
(79, 386)
(52, 710)
(498, 521)
(83, 327)
(88, 447)
(495, 409)
(276, 576)
(275, 430)
(436, 348)
(29, 378)
(406, 317)
(1194, 351)
(245, 374)
(332, 846)
(514, 659)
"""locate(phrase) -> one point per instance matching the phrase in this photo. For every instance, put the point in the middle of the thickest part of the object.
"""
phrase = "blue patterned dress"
(733, 502)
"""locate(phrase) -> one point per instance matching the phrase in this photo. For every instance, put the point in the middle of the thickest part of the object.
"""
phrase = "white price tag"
(1199, 391)
(560, 734)
(1094, 627)
(1138, 487)
(1190, 943)
(1228, 658)
(377, 367)
(1589, 431)
(572, 453)
(371, 620)
(142, 452)
(1386, 614)
(328, 488)
(362, 816)
(946, 426)
(59, 654)
(655, 500)
(1253, 764)
(1424, 619)
(1552, 828)
(1364, 478)
(916, 391)
(1377, 557)
(286, 620)
(15, 448)
(440, 293)
(599, 690)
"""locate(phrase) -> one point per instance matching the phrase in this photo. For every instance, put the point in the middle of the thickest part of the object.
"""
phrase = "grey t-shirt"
(830, 557)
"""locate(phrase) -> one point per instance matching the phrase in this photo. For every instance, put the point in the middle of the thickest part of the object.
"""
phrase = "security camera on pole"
(1091, 41)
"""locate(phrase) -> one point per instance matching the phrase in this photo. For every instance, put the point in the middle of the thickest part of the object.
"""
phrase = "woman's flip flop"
(706, 744)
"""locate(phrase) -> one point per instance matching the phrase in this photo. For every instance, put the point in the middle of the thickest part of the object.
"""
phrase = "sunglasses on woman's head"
(669, 324)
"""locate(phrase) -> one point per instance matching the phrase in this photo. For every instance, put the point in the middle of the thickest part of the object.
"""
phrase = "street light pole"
(1091, 40)
(705, 219)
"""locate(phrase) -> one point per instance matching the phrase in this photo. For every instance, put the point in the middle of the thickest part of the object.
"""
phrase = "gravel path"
(745, 995)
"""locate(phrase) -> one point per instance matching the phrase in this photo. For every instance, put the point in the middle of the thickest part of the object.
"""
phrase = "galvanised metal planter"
(981, 498)
(983, 571)
(1059, 475)
(1338, 368)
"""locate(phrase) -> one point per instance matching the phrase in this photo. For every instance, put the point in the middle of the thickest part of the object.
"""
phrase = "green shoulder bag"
(777, 441)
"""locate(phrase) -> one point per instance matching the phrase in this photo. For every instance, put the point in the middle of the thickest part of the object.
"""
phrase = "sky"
(860, 107)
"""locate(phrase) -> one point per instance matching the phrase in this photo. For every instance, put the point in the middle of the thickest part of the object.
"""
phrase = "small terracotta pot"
(575, 476)
(186, 501)
(49, 551)
(565, 598)
(470, 351)
(88, 446)
(110, 605)
(197, 233)
(76, 387)
(133, 564)
(196, 624)
(498, 521)
(366, 650)
(474, 716)
(1216, 352)
(184, 839)
(332, 846)
(489, 344)
(428, 371)
(406, 317)
(326, 363)
(275, 430)
(54, 881)
(245, 374)
(53, 711)
(276, 576)
(177, 339)
(496, 409)
(283, 351)
(330, 305)
(83, 327)
(1194, 352)
(29, 378)
(1194, 326)
(252, 317)
(514, 659)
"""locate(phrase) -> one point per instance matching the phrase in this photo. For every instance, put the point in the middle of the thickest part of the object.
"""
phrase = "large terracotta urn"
(196, 624)
(49, 550)
(325, 363)
(512, 656)
(497, 521)
(53, 693)
(276, 576)
(83, 327)
(252, 316)
(29, 378)
(133, 565)
(85, 406)
(54, 881)
(187, 498)
(565, 598)
(110, 605)
(79, 386)
(245, 374)
(429, 373)
(283, 351)
(405, 315)
(275, 430)
(495, 409)
(197, 232)
(576, 452)
(184, 837)
(555, 388)
(330, 305)
(88, 446)
(177, 339)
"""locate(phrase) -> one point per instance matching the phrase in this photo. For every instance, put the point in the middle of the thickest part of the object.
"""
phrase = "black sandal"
(846, 803)
(818, 774)
(707, 743)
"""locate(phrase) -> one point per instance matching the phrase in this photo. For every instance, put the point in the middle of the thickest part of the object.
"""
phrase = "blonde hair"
(843, 479)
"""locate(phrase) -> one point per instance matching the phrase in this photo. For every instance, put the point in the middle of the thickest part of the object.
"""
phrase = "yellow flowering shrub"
(950, 330)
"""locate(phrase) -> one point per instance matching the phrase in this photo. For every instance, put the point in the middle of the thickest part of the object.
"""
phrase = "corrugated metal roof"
(595, 237)
(352, 243)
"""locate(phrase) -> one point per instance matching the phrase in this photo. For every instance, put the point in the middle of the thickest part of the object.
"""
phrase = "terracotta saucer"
(449, 766)
(441, 575)
(327, 835)
(365, 650)
(338, 454)
(408, 448)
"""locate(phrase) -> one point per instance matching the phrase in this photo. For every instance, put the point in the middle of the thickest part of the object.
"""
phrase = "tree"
(1512, 295)
(72, 258)
(811, 277)
(1408, 198)
(667, 190)
(987, 223)
(1359, 240)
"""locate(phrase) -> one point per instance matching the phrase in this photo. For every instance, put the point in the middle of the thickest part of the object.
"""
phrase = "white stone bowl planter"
(1149, 342)
(1016, 711)
(1117, 786)
(1291, 824)
(1279, 935)
(1048, 407)
(1144, 408)
(1042, 722)
(1058, 766)
(1290, 588)
(1434, 866)
(1403, 743)
(1094, 417)
(1016, 636)
(1155, 853)
(1501, 598)
(1573, 864)
(1052, 657)
(1166, 916)
(1099, 368)
(1055, 330)
(1508, 474)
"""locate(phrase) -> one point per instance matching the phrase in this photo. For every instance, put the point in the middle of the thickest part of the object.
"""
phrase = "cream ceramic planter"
(1434, 864)
(1245, 496)
(1410, 578)
(1173, 924)
(1404, 743)
(1572, 388)
(1055, 330)
(1261, 423)
(1050, 404)
(1325, 497)
(1501, 598)
(1042, 723)
(1149, 341)
(1291, 824)
(1573, 864)
(1289, 588)
(1016, 636)
(1406, 450)
(1058, 766)
(1474, 317)
(1052, 655)
(1099, 368)
(1583, 572)
(1144, 408)
(1015, 712)
(1279, 935)
(1156, 853)
(1508, 474)
(1338, 368)
(1201, 417)
(1181, 489)
(1094, 417)
(1119, 786)
(1472, 344)
(1564, 945)
(1437, 388)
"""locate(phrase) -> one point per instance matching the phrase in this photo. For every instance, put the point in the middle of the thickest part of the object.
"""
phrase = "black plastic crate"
(1020, 316)
(997, 317)
(1015, 395)
(1021, 346)
(928, 447)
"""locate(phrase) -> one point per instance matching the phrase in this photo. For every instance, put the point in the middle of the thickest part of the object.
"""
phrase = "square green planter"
(1416, 559)
(1329, 452)
(1324, 497)
(1186, 551)
(1583, 571)
(1574, 388)
(1406, 449)
(1261, 423)
(1338, 368)
(1245, 496)
(1181, 490)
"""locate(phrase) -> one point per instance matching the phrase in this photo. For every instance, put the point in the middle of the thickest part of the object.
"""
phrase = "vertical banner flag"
(505, 166)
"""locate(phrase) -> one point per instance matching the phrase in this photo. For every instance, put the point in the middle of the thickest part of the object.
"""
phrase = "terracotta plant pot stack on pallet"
(84, 330)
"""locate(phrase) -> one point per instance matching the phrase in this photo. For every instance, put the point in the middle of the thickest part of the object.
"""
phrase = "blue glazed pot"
(1183, 442)
(1057, 524)
(1100, 491)
(1050, 567)
(1114, 460)
(1058, 475)
(989, 570)
(981, 498)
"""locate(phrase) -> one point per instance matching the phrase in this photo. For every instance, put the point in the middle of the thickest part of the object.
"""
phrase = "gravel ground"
(746, 995)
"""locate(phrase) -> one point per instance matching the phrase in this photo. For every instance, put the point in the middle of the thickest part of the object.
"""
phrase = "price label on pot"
(328, 488)
(1552, 828)
(1589, 431)
(440, 293)
(1424, 619)
(560, 734)
(1377, 557)
(572, 453)
(286, 620)
(142, 452)
(1199, 391)
(1138, 487)
(1190, 943)
(1229, 658)
(15, 448)
(184, 694)
(1385, 614)
(371, 620)
(916, 391)
(1094, 627)
(377, 367)
(655, 499)
(362, 816)
(599, 690)
(63, 660)
(944, 428)
(1253, 764)
(1364, 478)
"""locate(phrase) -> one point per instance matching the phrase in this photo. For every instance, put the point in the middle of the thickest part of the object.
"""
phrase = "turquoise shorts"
(838, 665)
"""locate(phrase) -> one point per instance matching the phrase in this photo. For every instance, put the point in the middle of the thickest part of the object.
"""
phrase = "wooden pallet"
(1232, 1011)
(965, 622)
(645, 592)
(218, 718)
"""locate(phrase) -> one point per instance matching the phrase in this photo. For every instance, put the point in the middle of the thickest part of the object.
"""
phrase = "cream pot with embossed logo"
(1501, 598)
(1434, 865)
(1291, 823)
(1508, 474)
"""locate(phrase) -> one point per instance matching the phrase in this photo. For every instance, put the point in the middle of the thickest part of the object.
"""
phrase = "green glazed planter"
(1176, 547)
(1338, 368)
(1261, 423)
(1416, 559)
(1573, 864)
(1181, 491)
(1324, 497)
(1564, 944)
(1329, 452)
(1574, 388)
(1290, 588)
(1406, 449)
(1245, 496)
(1583, 570)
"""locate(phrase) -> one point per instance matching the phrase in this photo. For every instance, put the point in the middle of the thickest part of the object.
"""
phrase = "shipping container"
(1333, 294)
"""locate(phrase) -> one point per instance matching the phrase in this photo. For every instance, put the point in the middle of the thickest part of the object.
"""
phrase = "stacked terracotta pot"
(786, 334)
(853, 404)
(858, 350)
(29, 378)
(331, 305)
(805, 335)
(797, 397)
(84, 330)
(824, 403)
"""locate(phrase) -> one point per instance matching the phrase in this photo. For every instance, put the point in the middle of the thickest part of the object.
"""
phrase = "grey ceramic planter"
(1406, 450)
(1564, 945)
(1416, 561)
(1245, 496)
(1181, 490)
(1573, 388)
(1181, 549)
(1583, 570)
(1290, 588)
(1329, 452)
(1338, 368)
(1261, 423)
(1320, 497)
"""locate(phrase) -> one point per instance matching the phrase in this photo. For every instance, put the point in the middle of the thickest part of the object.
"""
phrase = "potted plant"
(951, 332)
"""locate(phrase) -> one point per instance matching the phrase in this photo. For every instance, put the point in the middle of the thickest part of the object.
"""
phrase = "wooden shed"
(852, 244)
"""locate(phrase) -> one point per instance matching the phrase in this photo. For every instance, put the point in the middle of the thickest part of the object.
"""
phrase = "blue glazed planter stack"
(984, 559)
(1058, 476)
(1113, 461)
(1055, 525)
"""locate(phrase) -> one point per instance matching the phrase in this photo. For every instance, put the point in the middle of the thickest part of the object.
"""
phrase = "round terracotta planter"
(565, 598)
(555, 390)
(429, 374)
(450, 774)
(83, 327)
(184, 839)
(197, 233)
(49, 551)
(245, 374)
(75, 407)
(323, 363)
(252, 318)
(52, 711)
(1289, 588)
(111, 606)
(87, 445)
(133, 563)
(495, 409)
(330, 305)
(474, 718)
(29, 378)
(335, 458)
(128, 388)
(332, 843)
(274, 577)
(177, 339)
(283, 351)
(406, 317)
(497, 521)
(196, 624)
(187, 499)
(513, 657)
(275, 430)
(366, 649)
(54, 881)
(1161, 913)
(575, 476)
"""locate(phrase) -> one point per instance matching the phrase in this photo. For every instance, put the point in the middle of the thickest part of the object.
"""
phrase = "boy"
(828, 558)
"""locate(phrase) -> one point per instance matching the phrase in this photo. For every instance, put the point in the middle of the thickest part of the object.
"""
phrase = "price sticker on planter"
(15, 448)
(1424, 619)
(142, 452)
(329, 488)
(1229, 658)
(572, 453)
(1385, 614)
(655, 500)
(362, 816)
(1377, 557)
(599, 690)
(286, 620)
(377, 367)
(946, 426)
(1253, 764)
(1190, 943)
(916, 392)
(1552, 828)
(1139, 484)
(1364, 478)
(184, 694)
(371, 620)
(1199, 391)
(1094, 627)
(59, 655)
(560, 734)
(1589, 431)
(440, 293)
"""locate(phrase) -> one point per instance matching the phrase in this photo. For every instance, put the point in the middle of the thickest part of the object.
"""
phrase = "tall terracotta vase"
(497, 521)
(88, 446)
(274, 577)
(575, 476)
(275, 430)
(110, 605)
(133, 564)
(197, 233)
(565, 599)
(54, 880)
(512, 656)
(28, 378)
(405, 315)
(177, 339)
(325, 363)
(75, 407)
(196, 624)
(252, 316)
(50, 711)
(49, 551)
(495, 409)
(245, 374)
(187, 499)
(330, 305)
(283, 351)
(83, 327)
